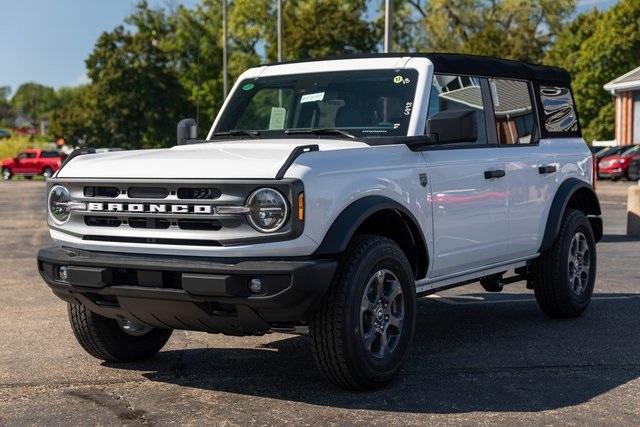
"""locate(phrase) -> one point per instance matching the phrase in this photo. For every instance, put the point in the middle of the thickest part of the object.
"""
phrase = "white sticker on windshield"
(276, 121)
(312, 97)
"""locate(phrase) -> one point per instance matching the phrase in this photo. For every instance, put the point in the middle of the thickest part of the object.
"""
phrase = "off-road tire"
(553, 289)
(338, 347)
(104, 339)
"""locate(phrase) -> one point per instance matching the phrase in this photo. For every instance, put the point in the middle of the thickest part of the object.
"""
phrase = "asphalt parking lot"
(477, 359)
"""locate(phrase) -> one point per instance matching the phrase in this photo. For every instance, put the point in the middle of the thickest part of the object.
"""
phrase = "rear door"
(468, 186)
(530, 166)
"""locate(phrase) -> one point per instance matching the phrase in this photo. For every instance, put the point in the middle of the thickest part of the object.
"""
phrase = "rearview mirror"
(187, 130)
(453, 126)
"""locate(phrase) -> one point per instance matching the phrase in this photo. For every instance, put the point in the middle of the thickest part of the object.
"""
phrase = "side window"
(515, 121)
(452, 92)
(49, 154)
(559, 111)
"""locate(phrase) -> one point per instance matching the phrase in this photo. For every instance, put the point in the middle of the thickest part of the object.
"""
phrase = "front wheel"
(363, 330)
(115, 340)
(565, 274)
(6, 174)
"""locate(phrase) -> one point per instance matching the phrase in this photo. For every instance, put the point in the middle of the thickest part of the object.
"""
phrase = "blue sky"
(47, 41)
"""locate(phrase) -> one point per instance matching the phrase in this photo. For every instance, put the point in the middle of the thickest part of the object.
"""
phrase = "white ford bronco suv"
(328, 196)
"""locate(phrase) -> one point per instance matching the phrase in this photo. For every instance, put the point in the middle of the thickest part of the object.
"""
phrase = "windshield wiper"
(238, 132)
(319, 131)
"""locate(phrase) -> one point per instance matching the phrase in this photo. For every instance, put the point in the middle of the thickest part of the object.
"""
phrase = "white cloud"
(80, 80)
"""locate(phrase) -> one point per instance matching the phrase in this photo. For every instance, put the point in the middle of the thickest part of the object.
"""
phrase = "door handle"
(546, 169)
(499, 173)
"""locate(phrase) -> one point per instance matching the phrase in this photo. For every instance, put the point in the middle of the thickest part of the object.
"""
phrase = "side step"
(496, 282)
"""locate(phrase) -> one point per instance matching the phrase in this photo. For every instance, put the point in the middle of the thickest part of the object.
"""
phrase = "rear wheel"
(364, 327)
(565, 274)
(47, 173)
(115, 340)
(6, 174)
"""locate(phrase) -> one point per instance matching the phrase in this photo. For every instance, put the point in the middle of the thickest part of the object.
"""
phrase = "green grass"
(9, 148)
(12, 146)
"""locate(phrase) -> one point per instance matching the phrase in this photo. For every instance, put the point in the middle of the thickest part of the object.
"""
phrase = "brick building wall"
(624, 118)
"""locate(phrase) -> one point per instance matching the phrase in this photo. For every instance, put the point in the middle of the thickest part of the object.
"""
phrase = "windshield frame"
(421, 66)
(402, 121)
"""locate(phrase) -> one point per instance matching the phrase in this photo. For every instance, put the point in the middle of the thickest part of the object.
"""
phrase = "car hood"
(220, 159)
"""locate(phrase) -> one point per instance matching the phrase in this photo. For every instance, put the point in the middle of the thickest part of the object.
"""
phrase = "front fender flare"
(353, 216)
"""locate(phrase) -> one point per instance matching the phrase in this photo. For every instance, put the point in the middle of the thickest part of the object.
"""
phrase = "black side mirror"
(187, 129)
(453, 126)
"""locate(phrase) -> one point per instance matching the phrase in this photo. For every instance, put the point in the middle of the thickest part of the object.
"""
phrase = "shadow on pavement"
(499, 355)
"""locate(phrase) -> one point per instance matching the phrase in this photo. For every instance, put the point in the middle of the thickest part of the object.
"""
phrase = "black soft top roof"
(486, 66)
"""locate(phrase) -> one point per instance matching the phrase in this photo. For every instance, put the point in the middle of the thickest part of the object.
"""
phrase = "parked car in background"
(616, 166)
(634, 170)
(32, 162)
(5, 134)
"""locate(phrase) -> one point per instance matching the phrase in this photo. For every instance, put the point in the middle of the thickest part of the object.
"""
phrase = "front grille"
(155, 223)
(109, 192)
(166, 211)
(198, 193)
(147, 192)
(199, 224)
(97, 221)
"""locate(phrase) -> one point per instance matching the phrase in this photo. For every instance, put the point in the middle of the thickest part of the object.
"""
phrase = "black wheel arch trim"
(559, 205)
(353, 216)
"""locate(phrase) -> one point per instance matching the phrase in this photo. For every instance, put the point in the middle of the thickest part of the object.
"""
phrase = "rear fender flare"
(559, 206)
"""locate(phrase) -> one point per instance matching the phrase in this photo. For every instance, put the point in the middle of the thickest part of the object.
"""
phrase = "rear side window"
(513, 108)
(559, 112)
(452, 92)
(49, 154)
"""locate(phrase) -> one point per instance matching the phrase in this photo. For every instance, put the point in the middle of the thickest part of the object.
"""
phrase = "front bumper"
(189, 293)
(611, 173)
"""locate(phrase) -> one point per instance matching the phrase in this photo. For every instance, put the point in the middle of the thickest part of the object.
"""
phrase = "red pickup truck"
(32, 162)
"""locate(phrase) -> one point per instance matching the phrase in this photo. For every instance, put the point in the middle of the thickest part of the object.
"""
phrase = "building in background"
(626, 90)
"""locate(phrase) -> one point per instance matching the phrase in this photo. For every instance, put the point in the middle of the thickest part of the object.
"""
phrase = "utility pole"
(279, 11)
(388, 25)
(225, 83)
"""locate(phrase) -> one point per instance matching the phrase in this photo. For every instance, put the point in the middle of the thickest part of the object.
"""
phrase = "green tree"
(138, 96)
(74, 120)
(311, 28)
(515, 29)
(33, 100)
(5, 106)
(596, 48)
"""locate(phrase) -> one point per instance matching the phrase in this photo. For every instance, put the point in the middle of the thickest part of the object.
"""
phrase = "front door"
(468, 187)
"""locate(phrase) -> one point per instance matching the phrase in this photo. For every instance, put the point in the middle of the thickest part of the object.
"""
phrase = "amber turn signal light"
(301, 206)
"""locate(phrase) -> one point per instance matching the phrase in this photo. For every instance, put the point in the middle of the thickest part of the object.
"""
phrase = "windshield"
(607, 151)
(632, 150)
(361, 103)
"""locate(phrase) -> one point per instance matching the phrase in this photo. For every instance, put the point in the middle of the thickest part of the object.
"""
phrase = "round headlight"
(59, 199)
(268, 210)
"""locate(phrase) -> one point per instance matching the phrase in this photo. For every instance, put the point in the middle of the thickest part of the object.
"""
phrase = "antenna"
(198, 78)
